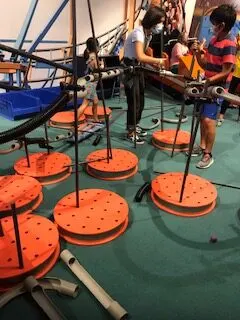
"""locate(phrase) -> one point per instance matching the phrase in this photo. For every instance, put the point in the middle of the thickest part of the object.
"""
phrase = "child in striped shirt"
(218, 63)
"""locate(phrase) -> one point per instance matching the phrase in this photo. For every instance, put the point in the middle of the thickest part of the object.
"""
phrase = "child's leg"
(82, 108)
(94, 109)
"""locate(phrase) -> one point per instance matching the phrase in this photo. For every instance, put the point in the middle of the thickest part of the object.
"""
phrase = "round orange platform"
(199, 196)
(46, 168)
(100, 112)
(65, 119)
(124, 164)
(165, 139)
(101, 217)
(25, 192)
(40, 248)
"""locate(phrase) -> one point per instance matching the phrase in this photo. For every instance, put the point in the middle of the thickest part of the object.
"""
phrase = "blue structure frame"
(26, 24)
(25, 27)
(48, 26)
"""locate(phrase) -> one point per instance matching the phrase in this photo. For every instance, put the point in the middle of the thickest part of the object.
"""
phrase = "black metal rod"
(53, 77)
(85, 162)
(193, 117)
(109, 151)
(17, 236)
(192, 140)
(134, 108)
(1, 229)
(46, 134)
(74, 30)
(162, 103)
(213, 182)
(33, 57)
(26, 151)
(178, 127)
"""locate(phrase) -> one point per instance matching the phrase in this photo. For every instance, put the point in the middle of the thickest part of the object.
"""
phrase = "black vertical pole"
(134, 106)
(161, 51)
(192, 140)
(109, 150)
(1, 229)
(178, 126)
(46, 135)
(74, 30)
(26, 151)
(17, 236)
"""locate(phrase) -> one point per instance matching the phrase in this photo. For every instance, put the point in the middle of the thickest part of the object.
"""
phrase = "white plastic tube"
(192, 92)
(219, 92)
(113, 307)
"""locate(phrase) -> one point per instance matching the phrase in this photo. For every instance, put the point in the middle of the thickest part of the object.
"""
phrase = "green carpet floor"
(163, 266)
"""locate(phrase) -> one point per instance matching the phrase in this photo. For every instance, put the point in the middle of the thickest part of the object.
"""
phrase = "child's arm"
(227, 68)
(142, 57)
(93, 63)
(199, 53)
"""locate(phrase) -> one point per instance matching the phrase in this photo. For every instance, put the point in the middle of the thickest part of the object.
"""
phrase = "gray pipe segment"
(56, 284)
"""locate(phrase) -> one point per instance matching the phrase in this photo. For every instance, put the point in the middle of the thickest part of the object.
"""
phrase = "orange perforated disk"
(65, 119)
(124, 164)
(165, 139)
(40, 248)
(100, 112)
(199, 196)
(46, 168)
(25, 192)
(101, 217)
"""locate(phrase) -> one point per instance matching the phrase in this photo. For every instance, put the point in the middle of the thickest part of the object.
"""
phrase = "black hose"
(36, 121)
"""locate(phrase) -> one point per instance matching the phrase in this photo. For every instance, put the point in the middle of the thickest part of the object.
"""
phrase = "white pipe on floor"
(113, 307)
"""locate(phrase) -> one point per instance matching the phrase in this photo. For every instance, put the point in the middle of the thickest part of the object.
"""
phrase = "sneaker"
(206, 161)
(197, 151)
(219, 122)
(141, 132)
(131, 138)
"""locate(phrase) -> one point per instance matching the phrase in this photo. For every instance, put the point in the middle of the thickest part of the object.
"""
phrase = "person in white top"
(180, 49)
(134, 53)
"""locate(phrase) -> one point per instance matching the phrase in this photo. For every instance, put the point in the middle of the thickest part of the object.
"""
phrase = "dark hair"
(181, 37)
(92, 46)
(152, 17)
(224, 13)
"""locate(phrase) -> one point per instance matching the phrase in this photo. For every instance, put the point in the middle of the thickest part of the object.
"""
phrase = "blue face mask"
(158, 28)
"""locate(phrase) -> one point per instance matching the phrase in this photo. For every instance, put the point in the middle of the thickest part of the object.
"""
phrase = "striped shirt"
(218, 53)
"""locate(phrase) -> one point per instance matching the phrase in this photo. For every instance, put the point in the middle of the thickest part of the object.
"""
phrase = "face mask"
(216, 29)
(158, 28)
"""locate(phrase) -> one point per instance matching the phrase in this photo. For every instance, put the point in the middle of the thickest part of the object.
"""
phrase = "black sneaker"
(141, 132)
(131, 138)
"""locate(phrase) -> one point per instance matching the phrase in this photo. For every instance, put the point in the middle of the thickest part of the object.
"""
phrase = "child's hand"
(207, 83)
(201, 45)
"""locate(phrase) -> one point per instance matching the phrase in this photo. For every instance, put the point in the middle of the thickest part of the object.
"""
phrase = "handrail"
(81, 43)
(34, 57)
